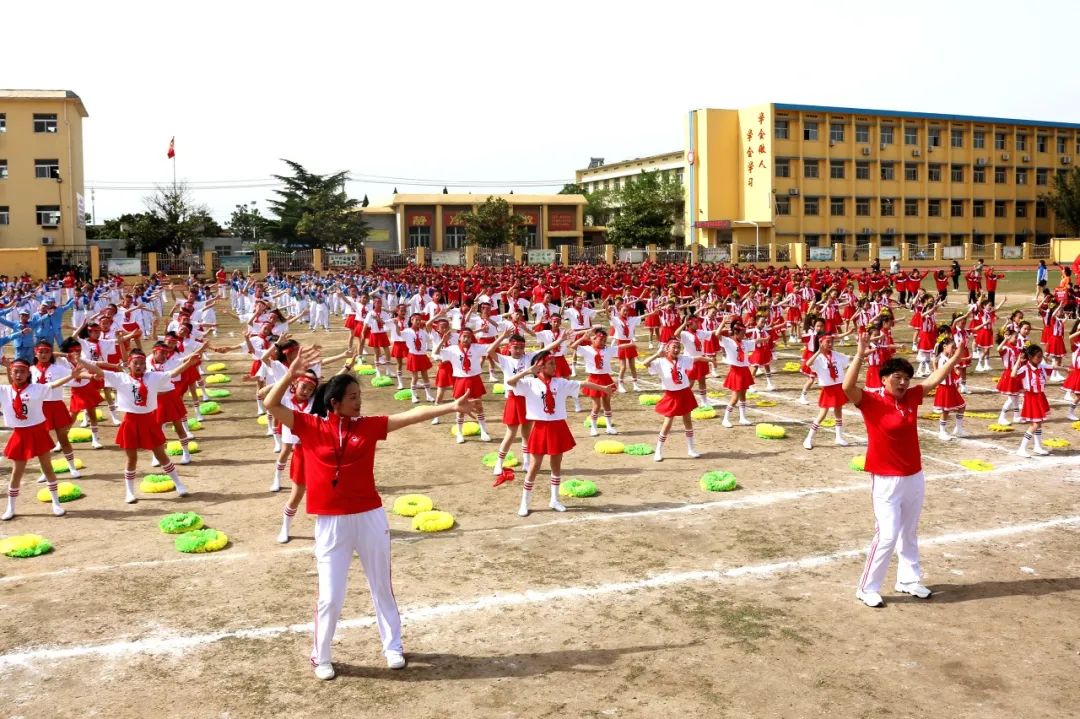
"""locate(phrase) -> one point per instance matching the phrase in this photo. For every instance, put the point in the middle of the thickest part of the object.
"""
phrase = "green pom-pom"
(180, 522)
(209, 408)
(60, 466)
(365, 371)
(639, 449)
(173, 448)
(218, 379)
(80, 434)
(498, 389)
(770, 431)
(156, 484)
(201, 540)
(858, 463)
(703, 413)
(65, 492)
(218, 393)
(193, 424)
(403, 395)
(382, 381)
(649, 400)
(718, 481)
(23, 546)
(600, 422)
(578, 488)
(491, 458)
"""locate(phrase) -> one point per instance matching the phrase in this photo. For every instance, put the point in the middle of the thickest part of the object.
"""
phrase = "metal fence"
(183, 264)
(982, 249)
(488, 257)
(915, 251)
(855, 252)
(391, 260)
(754, 254)
(256, 262)
(295, 261)
(1039, 252)
(633, 255)
(783, 253)
(715, 254)
(592, 255)
(672, 257)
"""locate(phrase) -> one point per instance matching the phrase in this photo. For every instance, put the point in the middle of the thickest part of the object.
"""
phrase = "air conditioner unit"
(866, 151)
(1005, 156)
(1027, 158)
(890, 231)
(793, 191)
(866, 230)
(841, 231)
(832, 143)
(1065, 159)
(981, 162)
(884, 145)
(48, 241)
(915, 153)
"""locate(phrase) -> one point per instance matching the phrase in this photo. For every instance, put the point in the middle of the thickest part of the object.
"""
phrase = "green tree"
(598, 208)
(313, 211)
(572, 188)
(172, 224)
(493, 225)
(247, 223)
(645, 211)
(1064, 200)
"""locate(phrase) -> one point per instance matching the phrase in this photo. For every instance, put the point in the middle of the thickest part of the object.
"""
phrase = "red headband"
(307, 379)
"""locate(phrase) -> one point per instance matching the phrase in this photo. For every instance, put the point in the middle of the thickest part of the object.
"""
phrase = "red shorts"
(26, 443)
(627, 351)
(549, 437)
(601, 379)
(832, 396)
(674, 403)
(738, 379)
(296, 466)
(170, 407)
(514, 411)
(56, 414)
(418, 363)
(139, 431)
(399, 350)
(473, 385)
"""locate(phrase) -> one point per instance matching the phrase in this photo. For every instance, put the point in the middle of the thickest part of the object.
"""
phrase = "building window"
(933, 239)
(1021, 208)
(532, 239)
(1000, 239)
(978, 208)
(933, 173)
(956, 208)
(978, 139)
(1042, 176)
(1062, 143)
(862, 133)
(862, 206)
(999, 140)
(886, 134)
(780, 129)
(836, 206)
(810, 169)
(1019, 239)
(811, 240)
(783, 205)
(454, 238)
(933, 208)
(783, 167)
(3, 122)
(999, 176)
(1021, 175)
(48, 215)
(5, 215)
(836, 169)
(911, 172)
(887, 207)
(1041, 143)
(934, 139)
(44, 123)
(956, 137)
(1040, 209)
(46, 169)
(956, 173)
(888, 172)
(810, 206)
(615, 183)
(911, 135)
(3, 170)
(1021, 143)
(978, 174)
(419, 237)
(911, 207)
(862, 170)
(1078, 145)
(836, 132)
(809, 130)
(1000, 208)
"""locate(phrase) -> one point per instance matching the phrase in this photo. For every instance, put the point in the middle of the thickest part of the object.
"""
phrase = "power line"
(270, 182)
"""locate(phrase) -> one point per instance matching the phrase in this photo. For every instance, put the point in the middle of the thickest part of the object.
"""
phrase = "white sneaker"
(325, 672)
(181, 489)
(657, 457)
(1023, 453)
(692, 454)
(276, 486)
(914, 589)
(435, 421)
(1071, 416)
(841, 443)
(803, 400)
(497, 470)
(130, 498)
(1002, 419)
(636, 387)
(745, 422)
(185, 458)
(620, 389)
(485, 437)
(870, 599)
(808, 443)
(557, 505)
(727, 423)
(7, 515)
(460, 438)
(960, 433)
(57, 510)
(944, 436)
(115, 421)
(415, 400)
(96, 445)
(523, 508)
(42, 479)
(592, 431)
(611, 430)
(283, 536)
(395, 660)
(1040, 451)
(154, 462)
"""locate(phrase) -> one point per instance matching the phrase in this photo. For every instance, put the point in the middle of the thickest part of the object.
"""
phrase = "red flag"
(172, 148)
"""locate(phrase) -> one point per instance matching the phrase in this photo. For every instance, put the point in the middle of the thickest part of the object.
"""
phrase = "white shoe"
(497, 469)
(115, 421)
(96, 445)
(7, 515)
(276, 486)
(325, 672)
(57, 510)
(620, 389)
(435, 421)
(1002, 419)
(130, 498)
(460, 438)
(692, 454)
(808, 443)
(154, 462)
(557, 505)
(592, 431)
(611, 430)
(745, 422)
(395, 660)
(914, 589)
(870, 599)
(56, 448)
(185, 458)
(1023, 453)
(769, 387)
(1040, 451)
(523, 509)
(181, 490)
(960, 433)
(485, 437)
(841, 443)
(636, 387)
(944, 436)
(42, 479)
(803, 400)
(1071, 416)
(415, 400)
(657, 457)
(727, 423)
(283, 536)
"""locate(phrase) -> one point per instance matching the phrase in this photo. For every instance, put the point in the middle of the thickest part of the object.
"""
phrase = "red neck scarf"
(740, 354)
(833, 373)
(141, 392)
(22, 410)
(697, 341)
(549, 396)
(676, 373)
(599, 357)
(417, 342)
(43, 370)
(466, 359)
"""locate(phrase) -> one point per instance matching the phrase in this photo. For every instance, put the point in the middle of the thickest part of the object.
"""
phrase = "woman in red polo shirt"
(894, 462)
(339, 458)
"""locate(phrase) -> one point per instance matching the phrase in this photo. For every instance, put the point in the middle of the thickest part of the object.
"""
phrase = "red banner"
(419, 218)
(450, 216)
(562, 219)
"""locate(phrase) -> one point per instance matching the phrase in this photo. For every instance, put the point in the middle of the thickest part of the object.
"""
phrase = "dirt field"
(653, 599)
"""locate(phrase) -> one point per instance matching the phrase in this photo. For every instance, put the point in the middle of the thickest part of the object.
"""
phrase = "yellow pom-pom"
(770, 431)
(1000, 428)
(262, 420)
(716, 395)
(1076, 426)
(469, 429)
(410, 505)
(931, 415)
(25, 545)
(765, 403)
(80, 434)
(791, 367)
(175, 449)
(216, 367)
(609, 446)
(218, 379)
(1056, 443)
(703, 413)
(828, 422)
(60, 466)
(65, 490)
(980, 415)
(977, 465)
(81, 415)
(433, 521)
(156, 484)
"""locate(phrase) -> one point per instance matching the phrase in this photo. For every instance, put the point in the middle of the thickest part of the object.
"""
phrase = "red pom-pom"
(506, 476)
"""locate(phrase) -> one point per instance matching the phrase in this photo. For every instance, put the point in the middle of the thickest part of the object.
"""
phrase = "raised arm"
(851, 377)
(942, 372)
(308, 357)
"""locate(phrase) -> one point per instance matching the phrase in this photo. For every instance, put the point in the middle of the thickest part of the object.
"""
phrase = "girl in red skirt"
(764, 336)
(1072, 382)
(85, 393)
(1054, 346)
(298, 399)
(928, 332)
(465, 358)
(623, 327)
(171, 409)
(545, 407)
(444, 375)
(399, 351)
(813, 326)
(947, 398)
(21, 403)
(737, 350)
(693, 340)
(678, 400)
(1032, 375)
(559, 339)
(377, 327)
(49, 368)
(596, 356)
(136, 394)
(1010, 351)
(829, 366)
(417, 343)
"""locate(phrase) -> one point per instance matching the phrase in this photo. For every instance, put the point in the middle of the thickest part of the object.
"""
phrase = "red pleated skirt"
(1036, 408)
(627, 351)
(399, 350)
(417, 363)
(550, 437)
(738, 379)
(473, 385)
(26, 443)
(601, 379)
(947, 398)
(296, 465)
(86, 397)
(170, 407)
(1072, 382)
(698, 370)
(832, 396)
(674, 403)
(139, 431)
(514, 411)
(378, 339)
(56, 414)
(562, 367)
(444, 377)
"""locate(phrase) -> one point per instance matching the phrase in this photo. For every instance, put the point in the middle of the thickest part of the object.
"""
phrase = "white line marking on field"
(175, 644)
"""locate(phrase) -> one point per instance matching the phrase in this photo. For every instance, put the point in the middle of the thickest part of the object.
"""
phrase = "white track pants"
(318, 317)
(898, 503)
(336, 538)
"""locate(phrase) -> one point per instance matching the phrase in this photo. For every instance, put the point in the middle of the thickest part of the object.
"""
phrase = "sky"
(488, 96)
